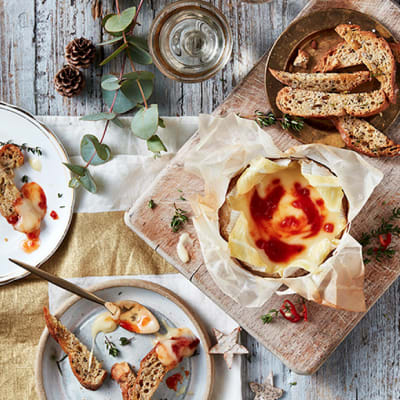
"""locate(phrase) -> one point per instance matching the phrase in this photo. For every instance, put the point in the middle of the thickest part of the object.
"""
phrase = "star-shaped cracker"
(228, 345)
(266, 390)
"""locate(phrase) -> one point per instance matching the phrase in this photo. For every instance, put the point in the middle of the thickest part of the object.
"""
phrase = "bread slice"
(10, 157)
(362, 137)
(302, 59)
(375, 53)
(310, 104)
(322, 82)
(85, 366)
(122, 373)
(151, 373)
(343, 56)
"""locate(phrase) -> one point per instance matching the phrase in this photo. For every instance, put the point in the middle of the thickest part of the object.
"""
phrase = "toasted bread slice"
(122, 373)
(10, 157)
(375, 53)
(362, 137)
(151, 373)
(322, 82)
(85, 366)
(343, 56)
(301, 59)
(310, 104)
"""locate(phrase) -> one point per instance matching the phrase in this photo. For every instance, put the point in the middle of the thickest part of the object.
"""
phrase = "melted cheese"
(175, 345)
(35, 164)
(312, 248)
(104, 323)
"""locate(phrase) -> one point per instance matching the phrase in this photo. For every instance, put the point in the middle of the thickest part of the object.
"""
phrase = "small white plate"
(20, 127)
(78, 315)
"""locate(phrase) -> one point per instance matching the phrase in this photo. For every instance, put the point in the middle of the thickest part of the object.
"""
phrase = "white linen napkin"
(121, 181)
(227, 383)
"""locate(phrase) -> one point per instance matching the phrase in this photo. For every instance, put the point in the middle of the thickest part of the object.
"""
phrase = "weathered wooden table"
(33, 34)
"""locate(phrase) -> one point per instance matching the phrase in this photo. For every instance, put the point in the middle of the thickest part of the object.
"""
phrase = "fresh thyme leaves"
(379, 239)
(178, 219)
(59, 195)
(182, 198)
(293, 383)
(151, 204)
(58, 362)
(125, 341)
(62, 206)
(25, 179)
(287, 121)
(110, 346)
(267, 318)
(24, 146)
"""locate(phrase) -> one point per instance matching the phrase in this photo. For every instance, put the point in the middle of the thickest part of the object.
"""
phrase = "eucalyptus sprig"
(287, 121)
(122, 93)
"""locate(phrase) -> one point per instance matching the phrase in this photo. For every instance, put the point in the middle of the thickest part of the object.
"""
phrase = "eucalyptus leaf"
(118, 122)
(73, 183)
(155, 144)
(139, 55)
(122, 103)
(118, 23)
(90, 145)
(111, 83)
(145, 122)
(114, 54)
(76, 169)
(131, 90)
(111, 41)
(138, 41)
(88, 182)
(99, 116)
(161, 123)
(145, 75)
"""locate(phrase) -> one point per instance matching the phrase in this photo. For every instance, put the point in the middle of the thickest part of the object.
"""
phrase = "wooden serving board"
(302, 347)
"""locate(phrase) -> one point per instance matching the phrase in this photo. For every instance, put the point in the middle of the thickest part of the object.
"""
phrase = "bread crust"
(71, 345)
(363, 143)
(354, 36)
(342, 103)
(122, 373)
(333, 82)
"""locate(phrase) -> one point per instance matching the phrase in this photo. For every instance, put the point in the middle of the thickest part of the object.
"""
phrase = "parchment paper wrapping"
(226, 146)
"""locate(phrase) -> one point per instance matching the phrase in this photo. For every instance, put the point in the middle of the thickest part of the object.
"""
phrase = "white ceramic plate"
(20, 127)
(78, 315)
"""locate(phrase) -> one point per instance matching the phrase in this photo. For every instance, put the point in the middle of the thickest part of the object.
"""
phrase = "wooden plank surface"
(32, 36)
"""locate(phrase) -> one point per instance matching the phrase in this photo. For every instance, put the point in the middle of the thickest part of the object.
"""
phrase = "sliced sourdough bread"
(122, 373)
(343, 56)
(375, 53)
(310, 104)
(10, 158)
(84, 365)
(362, 137)
(332, 82)
(151, 373)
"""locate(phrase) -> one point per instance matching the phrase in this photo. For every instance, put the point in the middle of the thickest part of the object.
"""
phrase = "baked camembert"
(291, 216)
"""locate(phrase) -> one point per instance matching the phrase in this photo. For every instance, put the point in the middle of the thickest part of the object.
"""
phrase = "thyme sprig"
(125, 341)
(179, 219)
(267, 318)
(110, 346)
(287, 121)
(58, 362)
(24, 147)
(388, 226)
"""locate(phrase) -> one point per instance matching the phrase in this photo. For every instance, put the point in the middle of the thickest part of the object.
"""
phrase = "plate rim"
(298, 20)
(137, 283)
(42, 127)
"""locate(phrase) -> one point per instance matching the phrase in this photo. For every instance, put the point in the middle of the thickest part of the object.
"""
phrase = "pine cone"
(69, 81)
(80, 53)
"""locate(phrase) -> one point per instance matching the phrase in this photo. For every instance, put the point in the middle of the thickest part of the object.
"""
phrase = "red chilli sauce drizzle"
(263, 209)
